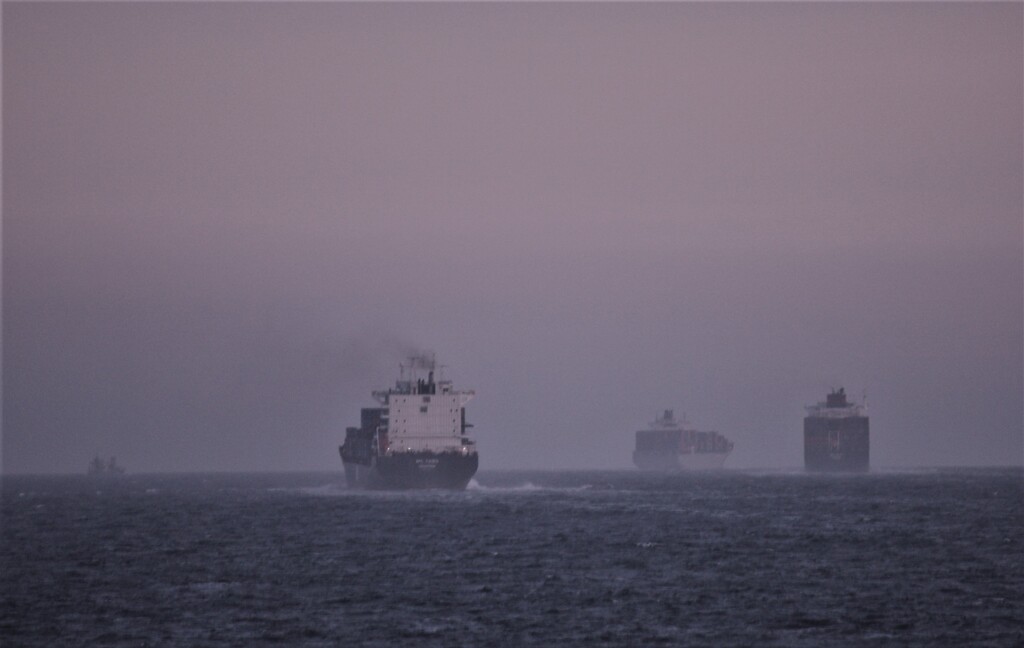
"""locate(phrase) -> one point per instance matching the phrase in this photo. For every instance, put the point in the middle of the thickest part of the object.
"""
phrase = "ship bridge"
(836, 405)
(424, 414)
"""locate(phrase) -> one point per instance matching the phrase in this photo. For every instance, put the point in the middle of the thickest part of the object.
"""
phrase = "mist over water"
(225, 225)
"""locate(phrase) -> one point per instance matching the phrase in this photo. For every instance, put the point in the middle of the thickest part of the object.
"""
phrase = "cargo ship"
(836, 435)
(100, 468)
(416, 438)
(669, 445)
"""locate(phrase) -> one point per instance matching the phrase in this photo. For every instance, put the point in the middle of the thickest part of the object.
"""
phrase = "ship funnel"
(668, 415)
(837, 398)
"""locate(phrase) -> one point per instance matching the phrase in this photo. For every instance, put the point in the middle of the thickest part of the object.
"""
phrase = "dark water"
(620, 558)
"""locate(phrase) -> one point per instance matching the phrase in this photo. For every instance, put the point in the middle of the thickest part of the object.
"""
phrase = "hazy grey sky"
(224, 224)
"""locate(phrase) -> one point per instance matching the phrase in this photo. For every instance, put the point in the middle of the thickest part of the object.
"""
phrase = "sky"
(225, 224)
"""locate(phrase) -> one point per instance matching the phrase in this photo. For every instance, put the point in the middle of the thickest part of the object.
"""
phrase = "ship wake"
(526, 487)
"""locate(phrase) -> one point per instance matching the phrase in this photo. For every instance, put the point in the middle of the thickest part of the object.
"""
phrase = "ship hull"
(413, 471)
(664, 462)
(836, 444)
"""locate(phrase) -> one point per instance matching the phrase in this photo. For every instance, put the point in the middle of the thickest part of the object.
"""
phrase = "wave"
(340, 489)
(525, 487)
(325, 490)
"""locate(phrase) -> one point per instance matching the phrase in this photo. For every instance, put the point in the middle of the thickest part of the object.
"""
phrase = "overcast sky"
(225, 224)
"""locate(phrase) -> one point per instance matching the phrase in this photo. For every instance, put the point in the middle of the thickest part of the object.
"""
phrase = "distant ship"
(836, 435)
(100, 468)
(417, 438)
(668, 444)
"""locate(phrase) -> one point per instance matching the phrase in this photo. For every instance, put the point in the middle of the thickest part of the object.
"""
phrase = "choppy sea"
(927, 557)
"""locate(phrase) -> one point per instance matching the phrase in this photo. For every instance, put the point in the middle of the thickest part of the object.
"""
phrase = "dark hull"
(836, 444)
(414, 470)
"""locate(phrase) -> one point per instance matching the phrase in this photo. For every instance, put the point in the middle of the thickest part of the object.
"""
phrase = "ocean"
(925, 557)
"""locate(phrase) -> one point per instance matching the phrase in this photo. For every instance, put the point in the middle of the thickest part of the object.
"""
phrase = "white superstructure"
(424, 415)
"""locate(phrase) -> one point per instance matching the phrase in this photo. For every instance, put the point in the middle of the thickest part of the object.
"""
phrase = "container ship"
(668, 444)
(100, 468)
(417, 437)
(836, 435)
